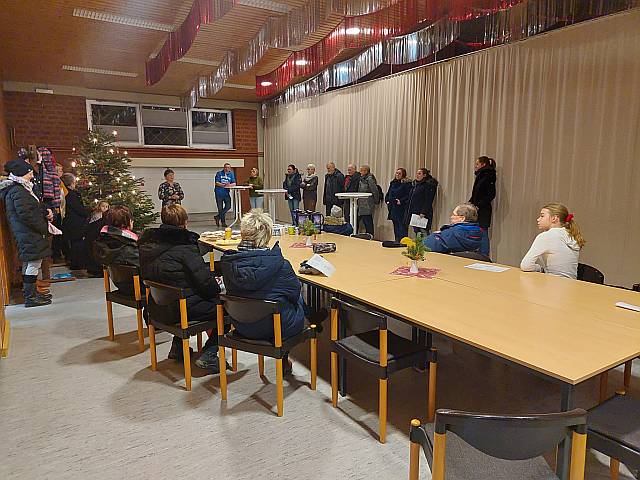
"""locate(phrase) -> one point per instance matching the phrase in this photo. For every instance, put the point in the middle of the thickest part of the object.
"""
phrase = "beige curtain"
(560, 113)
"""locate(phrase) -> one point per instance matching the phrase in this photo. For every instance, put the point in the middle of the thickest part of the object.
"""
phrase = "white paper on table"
(319, 263)
(418, 221)
(487, 268)
(628, 306)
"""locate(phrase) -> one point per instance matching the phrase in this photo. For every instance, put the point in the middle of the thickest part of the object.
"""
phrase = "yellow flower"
(407, 241)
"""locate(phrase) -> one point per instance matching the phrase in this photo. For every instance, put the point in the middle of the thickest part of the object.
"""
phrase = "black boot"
(31, 297)
(176, 352)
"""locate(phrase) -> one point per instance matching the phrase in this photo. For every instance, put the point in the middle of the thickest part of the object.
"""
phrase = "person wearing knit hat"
(335, 223)
(28, 220)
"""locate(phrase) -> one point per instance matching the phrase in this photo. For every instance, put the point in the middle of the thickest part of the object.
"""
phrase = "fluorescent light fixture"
(198, 61)
(122, 20)
(266, 84)
(44, 90)
(302, 62)
(352, 31)
(238, 85)
(99, 71)
(266, 5)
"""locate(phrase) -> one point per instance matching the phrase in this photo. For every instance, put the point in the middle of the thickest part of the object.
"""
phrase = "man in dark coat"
(333, 183)
(28, 220)
(421, 198)
(75, 222)
(351, 184)
(483, 193)
(171, 255)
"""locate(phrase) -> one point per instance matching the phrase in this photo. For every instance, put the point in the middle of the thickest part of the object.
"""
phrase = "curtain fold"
(560, 113)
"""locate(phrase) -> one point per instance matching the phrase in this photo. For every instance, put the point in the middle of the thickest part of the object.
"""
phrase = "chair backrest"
(472, 256)
(163, 294)
(587, 273)
(248, 310)
(358, 315)
(363, 236)
(511, 437)
(122, 273)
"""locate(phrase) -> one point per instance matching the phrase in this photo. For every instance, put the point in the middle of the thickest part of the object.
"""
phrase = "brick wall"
(245, 135)
(5, 148)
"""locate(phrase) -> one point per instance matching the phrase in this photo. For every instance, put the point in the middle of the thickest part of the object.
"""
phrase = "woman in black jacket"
(171, 255)
(396, 200)
(421, 198)
(75, 222)
(27, 218)
(483, 193)
(292, 184)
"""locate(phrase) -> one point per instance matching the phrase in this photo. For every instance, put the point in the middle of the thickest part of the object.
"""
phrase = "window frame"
(212, 146)
(140, 141)
(187, 115)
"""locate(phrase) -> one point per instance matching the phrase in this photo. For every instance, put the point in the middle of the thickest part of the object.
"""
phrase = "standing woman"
(75, 222)
(27, 218)
(310, 188)
(396, 200)
(423, 193)
(256, 183)
(556, 250)
(484, 191)
(170, 192)
(292, 183)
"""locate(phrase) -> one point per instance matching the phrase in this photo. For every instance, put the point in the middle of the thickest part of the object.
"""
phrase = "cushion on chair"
(366, 345)
(464, 462)
(618, 419)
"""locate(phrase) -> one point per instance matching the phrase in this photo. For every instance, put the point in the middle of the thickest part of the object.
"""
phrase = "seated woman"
(96, 224)
(257, 271)
(171, 255)
(556, 250)
(117, 244)
(462, 235)
(335, 223)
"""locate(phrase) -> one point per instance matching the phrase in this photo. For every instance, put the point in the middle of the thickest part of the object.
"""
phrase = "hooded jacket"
(457, 237)
(173, 256)
(398, 190)
(484, 191)
(115, 247)
(27, 219)
(265, 274)
(421, 198)
(368, 184)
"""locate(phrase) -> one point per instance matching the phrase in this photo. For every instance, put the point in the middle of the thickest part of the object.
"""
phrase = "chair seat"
(120, 298)
(617, 419)
(464, 462)
(175, 329)
(366, 346)
(233, 339)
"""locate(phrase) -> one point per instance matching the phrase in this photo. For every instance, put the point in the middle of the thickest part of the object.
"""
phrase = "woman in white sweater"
(555, 251)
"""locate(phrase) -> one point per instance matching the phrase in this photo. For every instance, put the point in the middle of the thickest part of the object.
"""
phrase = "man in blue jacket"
(463, 234)
(225, 178)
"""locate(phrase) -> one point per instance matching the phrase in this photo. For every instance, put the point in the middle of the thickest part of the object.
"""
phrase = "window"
(121, 117)
(164, 126)
(211, 128)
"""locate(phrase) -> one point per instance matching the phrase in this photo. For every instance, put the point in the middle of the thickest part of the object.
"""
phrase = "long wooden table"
(562, 329)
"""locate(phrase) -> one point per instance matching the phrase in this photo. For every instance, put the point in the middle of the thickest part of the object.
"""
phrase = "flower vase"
(309, 242)
(414, 267)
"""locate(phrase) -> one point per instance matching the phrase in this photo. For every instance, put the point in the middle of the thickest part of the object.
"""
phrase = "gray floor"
(74, 405)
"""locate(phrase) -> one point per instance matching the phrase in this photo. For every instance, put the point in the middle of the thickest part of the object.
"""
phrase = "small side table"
(270, 194)
(353, 205)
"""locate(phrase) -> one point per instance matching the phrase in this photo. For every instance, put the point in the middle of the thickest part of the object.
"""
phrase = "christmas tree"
(103, 173)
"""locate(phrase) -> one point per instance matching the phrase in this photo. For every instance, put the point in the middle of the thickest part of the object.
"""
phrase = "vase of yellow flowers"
(309, 229)
(415, 251)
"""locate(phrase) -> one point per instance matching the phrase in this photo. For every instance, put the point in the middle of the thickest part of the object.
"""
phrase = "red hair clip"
(569, 218)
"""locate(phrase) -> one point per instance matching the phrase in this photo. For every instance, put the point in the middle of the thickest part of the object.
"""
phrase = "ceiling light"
(302, 62)
(265, 5)
(266, 84)
(198, 61)
(44, 90)
(99, 71)
(352, 31)
(237, 85)
(122, 20)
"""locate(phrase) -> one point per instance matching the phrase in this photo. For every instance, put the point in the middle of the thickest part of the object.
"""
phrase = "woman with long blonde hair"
(556, 250)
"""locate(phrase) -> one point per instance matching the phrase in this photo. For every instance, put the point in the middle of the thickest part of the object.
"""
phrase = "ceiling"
(39, 37)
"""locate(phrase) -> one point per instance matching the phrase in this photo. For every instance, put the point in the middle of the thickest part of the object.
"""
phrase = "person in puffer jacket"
(335, 223)
(463, 234)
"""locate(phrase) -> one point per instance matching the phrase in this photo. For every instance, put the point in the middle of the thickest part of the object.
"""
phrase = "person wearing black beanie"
(28, 220)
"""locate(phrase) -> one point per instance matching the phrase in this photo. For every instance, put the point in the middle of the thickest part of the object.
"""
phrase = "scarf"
(307, 178)
(246, 245)
(25, 183)
(121, 232)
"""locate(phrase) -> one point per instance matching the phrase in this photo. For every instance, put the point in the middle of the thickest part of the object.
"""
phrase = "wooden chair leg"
(334, 379)
(234, 360)
(279, 386)
(314, 362)
(140, 330)
(414, 456)
(186, 357)
(199, 342)
(261, 365)
(614, 468)
(604, 379)
(431, 404)
(223, 373)
(110, 321)
(382, 407)
(627, 375)
(578, 456)
(152, 348)
(439, 450)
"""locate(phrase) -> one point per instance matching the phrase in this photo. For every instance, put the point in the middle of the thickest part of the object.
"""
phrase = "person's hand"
(49, 214)
(422, 215)
(398, 201)
(252, 187)
(175, 196)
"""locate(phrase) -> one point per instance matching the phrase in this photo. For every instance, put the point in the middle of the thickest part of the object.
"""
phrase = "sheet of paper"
(628, 306)
(319, 263)
(486, 267)
(418, 221)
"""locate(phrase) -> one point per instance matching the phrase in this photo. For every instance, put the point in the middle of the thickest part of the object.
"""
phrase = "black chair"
(167, 307)
(248, 310)
(381, 351)
(472, 256)
(614, 430)
(120, 274)
(496, 447)
(590, 274)
(363, 236)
